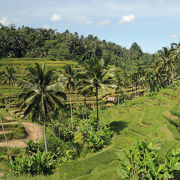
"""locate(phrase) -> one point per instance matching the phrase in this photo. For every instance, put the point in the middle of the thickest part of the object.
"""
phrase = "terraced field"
(152, 119)
(21, 64)
(17, 131)
(146, 118)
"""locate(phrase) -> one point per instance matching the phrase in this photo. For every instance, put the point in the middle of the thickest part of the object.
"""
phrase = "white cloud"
(4, 21)
(104, 22)
(174, 36)
(86, 21)
(56, 17)
(46, 26)
(128, 18)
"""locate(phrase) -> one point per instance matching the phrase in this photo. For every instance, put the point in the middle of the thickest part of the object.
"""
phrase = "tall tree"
(69, 74)
(119, 84)
(166, 67)
(96, 77)
(40, 95)
(9, 77)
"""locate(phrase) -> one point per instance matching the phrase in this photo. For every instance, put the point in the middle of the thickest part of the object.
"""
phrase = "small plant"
(92, 139)
(32, 147)
(141, 162)
(41, 162)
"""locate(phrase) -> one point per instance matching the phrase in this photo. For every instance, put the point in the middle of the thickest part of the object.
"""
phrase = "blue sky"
(151, 23)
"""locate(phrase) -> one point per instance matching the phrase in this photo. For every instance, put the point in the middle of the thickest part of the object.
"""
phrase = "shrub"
(98, 139)
(141, 162)
(92, 139)
(53, 143)
(32, 147)
(36, 164)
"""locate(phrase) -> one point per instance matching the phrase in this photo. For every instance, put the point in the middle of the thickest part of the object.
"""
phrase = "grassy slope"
(20, 64)
(146, 118)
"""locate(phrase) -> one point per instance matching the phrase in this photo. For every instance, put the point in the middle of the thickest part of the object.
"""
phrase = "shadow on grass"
(117, 126)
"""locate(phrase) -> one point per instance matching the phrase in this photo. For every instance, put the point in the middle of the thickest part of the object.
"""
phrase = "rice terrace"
(75, 106)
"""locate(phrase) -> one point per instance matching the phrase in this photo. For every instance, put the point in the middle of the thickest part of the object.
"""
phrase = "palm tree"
(69, 74)
(166, 66)
(8, 77)
(175, 50)
(96, 77)
(152, 79)
(141, 74)
(119, 83)
(40, 95)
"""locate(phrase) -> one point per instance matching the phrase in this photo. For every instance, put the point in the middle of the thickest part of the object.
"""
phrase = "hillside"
(149, 118)
(21, 64)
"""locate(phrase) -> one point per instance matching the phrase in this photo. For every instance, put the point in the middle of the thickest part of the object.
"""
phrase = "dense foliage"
(39, 163)
(34, 43)
(142, 163)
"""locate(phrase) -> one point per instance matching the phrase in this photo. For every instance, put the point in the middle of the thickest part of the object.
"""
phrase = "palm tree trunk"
(118, 98)
(72, 123)
(136, 88)
(97, 108)
(5, 139)
(82, 112)
(132, 89)
(9, 94)
(144, 85)
(45, 135)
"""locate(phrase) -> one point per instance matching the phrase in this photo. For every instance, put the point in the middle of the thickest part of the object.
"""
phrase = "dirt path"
(1, 174)
(34, 132)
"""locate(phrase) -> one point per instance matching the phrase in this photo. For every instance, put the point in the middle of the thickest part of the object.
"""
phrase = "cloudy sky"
(151, 23)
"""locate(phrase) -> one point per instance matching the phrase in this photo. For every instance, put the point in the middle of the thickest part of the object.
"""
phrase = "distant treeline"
(36, 43)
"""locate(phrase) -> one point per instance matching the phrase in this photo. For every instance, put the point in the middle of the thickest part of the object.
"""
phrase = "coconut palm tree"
(96, 77)
(166, 66)
(69, 78)
(141, 74)
(119, 83)
(9, 77)
(40, 95)
(152, 79)
(175, 50)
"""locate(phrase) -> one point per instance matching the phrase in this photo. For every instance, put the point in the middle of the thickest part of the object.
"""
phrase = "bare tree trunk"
(83, 113)
(9, 94)
(97, 108)
(144, 85)
(45, 135)
(118, 98)
(132, 89)
(72, 123)
(5, 139)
